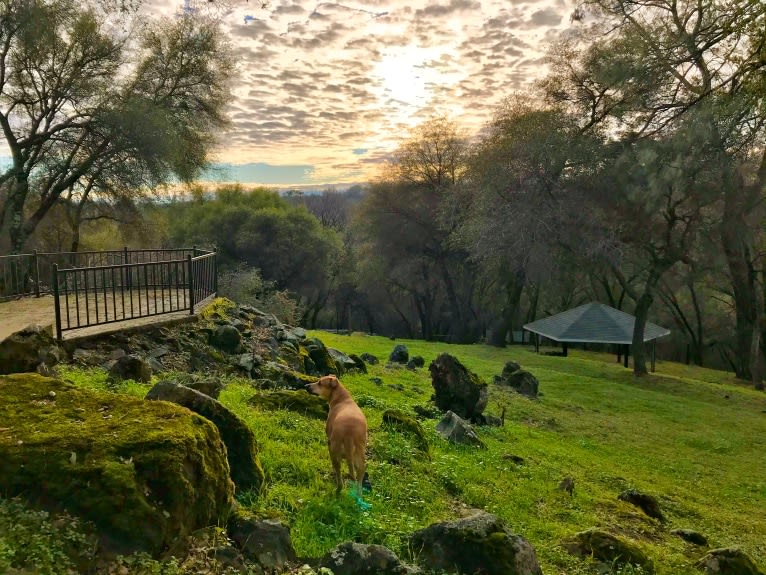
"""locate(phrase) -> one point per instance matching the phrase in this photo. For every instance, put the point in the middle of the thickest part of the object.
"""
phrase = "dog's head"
(324, 386)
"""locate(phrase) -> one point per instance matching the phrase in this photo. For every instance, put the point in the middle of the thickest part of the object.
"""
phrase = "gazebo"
(594, 323)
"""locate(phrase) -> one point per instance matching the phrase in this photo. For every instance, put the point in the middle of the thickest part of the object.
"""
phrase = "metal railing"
(95, 288)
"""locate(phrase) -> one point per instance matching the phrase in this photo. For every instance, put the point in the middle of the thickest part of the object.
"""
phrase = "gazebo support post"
(625, 357)
(654, 353)
(619, 352)
(564, 348)
(537, 342)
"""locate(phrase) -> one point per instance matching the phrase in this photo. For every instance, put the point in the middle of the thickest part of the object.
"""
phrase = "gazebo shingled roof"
(593, 323)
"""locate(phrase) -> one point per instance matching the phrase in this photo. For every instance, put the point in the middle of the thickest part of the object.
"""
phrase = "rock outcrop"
(241, 449)
(145, 473)
(477, 544)
(456, 389)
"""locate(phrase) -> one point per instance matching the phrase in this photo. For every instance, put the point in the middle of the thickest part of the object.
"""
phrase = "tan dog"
(346, 429)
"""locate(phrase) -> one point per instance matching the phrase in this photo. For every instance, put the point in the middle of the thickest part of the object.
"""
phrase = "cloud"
(336, 85)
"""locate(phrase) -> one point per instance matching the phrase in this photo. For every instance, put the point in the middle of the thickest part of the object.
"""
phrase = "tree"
(523, 184)
(79, 102)
(418, 197)
(258, 228)
(655, 62)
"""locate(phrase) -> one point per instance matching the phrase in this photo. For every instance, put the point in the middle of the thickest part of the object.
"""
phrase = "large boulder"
(359, 559)
(26, 349)
(727, 561)
(266, 542)
(455, 429)
(456, 389)
(480, 543)
(145, 473)
(241, 449)
(608, 548)
(130, 367)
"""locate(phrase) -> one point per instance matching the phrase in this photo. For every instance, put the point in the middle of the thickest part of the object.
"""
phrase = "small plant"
(37, 540)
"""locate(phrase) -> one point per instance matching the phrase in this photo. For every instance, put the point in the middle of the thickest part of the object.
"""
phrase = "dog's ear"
(333, 381)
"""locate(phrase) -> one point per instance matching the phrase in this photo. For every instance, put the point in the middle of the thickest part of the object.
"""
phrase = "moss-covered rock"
(409, 425)
(323, 362)
(299, 401)
(456, 389)
(647, 503)
(727, 561)
(477, 544)
(26, 349)
(241, 448)
(145, 473)
(609, 548)
(274, 375)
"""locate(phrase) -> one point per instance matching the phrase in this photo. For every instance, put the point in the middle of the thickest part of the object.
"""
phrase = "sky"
(326, 90)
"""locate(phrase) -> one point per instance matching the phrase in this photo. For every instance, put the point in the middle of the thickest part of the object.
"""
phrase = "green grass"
(693, 437)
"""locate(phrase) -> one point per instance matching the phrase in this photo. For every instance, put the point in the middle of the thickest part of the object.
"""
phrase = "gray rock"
(248, 362)
(477, 544)
(242, 453)
(727, 561)
(130, 367)
(25, 349)
(400, 354)
(267, 542)
(158, 352)
(155, 365)
(457, 389)
(342, 361)
(456, 430)
(520, 381)
(226, 338)
(299, 332)
(369, 358)
(210, 386)
(510, 367)
(358, 559)
(115, 354)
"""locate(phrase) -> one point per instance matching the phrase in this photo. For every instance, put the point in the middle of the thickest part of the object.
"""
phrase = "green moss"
(219, 308)
(298, 401)
(409, 425)
(143, 472)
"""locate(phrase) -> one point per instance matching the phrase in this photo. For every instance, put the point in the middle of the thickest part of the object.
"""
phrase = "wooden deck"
(17, 314)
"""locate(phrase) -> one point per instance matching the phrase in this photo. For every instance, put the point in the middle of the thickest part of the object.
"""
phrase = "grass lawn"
(694, 438)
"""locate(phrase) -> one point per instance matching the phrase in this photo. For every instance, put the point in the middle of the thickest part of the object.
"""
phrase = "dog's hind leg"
(336, 461)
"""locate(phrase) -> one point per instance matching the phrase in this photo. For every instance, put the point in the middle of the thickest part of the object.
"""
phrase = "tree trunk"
(733, 228)
(639, 348)
(17, 197)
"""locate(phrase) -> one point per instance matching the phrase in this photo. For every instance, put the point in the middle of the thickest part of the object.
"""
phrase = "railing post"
(194, 251)
(191, 284)
(56, 303)
(37, 274)
(126, 261)
(215, 271)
